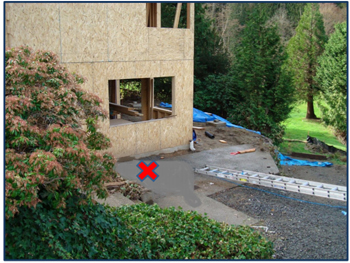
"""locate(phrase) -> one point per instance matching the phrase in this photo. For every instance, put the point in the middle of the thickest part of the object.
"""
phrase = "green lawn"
(297, 127)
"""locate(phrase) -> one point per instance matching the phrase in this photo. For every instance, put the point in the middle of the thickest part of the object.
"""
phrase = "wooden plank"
(188, 26)
(309, 156)
(145, 98)
(114, 184)
(159, 15)
(117, 90)
(112, 91)
(294, 140)
(154, 15)
(118, 106)
(162, 110)
(151, 98)
(148, 8)
(177, 15)
(198, 128)
(124, 109)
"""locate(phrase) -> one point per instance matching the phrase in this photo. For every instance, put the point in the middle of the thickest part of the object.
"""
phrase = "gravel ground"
(299, 230)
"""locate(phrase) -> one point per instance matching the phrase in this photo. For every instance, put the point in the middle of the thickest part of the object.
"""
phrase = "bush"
(176, 234)
(128, 232)
(46, 145)
(76, 232)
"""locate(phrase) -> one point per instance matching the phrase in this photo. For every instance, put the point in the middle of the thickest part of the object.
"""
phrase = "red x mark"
(147, 170)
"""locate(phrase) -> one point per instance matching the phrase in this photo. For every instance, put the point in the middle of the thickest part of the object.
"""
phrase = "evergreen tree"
(303, 50)
(332, 77)
(209, 55)
(262, 91)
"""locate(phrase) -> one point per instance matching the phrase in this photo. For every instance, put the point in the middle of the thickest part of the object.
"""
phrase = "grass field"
(297, 127)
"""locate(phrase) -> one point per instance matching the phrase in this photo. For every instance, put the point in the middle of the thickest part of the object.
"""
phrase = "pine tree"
(262, 92)
(332, 77)
(303, 50)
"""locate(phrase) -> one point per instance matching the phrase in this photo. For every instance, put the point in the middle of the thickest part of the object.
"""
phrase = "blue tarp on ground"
(200, 116)
(229, 124)
(286, 160)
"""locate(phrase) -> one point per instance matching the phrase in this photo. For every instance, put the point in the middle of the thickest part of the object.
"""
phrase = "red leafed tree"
(53, 148)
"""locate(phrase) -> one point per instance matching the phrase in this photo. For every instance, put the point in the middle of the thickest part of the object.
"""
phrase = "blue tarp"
(200, 116)
(286, 160)
(229, 124)
(165, 105)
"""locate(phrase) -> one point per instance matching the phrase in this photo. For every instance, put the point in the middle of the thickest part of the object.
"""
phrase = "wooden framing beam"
(188, 22)
(159, 15)
(145, 106)
(148, 11)
(177, 15)
(124, 109)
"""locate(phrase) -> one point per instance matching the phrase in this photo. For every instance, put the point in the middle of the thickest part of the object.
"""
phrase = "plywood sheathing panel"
(148, 136)
(123, 139)
(127, 34)
(85, 70)
(83, 32)
(166, 44)
(189, 45)
(26, 25)
(132, 51)
(147, 69)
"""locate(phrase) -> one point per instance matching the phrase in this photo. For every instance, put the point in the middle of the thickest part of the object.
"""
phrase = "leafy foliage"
(209, 56)
(75, 232)
(303, 50)
(332, 77)
(215, 94)
(211, 60)
(46, 145)
(128, 232)
(261, 92)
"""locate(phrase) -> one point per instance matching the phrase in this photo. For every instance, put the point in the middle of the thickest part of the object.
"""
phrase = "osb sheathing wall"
(105, 41)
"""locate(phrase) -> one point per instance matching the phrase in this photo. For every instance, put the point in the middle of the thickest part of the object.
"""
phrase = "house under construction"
(114, 45)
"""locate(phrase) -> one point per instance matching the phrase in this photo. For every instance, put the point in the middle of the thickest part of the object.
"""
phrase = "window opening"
(134, 100)
(172, 15)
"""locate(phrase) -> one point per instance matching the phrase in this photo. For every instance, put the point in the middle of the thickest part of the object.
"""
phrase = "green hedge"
(129, 232)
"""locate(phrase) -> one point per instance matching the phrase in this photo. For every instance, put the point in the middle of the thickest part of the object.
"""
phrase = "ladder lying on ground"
(281, 182)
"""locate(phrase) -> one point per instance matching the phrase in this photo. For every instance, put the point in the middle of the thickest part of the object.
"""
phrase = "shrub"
(76, 232)
(46, 146)
(128, 232)
(176, 234)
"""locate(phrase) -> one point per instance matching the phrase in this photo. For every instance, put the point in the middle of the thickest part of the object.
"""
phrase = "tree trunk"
(310, 114)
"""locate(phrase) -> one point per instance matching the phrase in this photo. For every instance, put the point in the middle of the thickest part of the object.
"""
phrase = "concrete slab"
(115, 200)
(214, 209)
(256, 161)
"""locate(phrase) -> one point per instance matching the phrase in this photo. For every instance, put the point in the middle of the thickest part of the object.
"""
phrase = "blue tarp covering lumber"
(286, 160)
(200, 116)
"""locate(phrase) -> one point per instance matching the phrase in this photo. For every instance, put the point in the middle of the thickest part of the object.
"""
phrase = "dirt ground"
(232, 136)
(313, 228)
